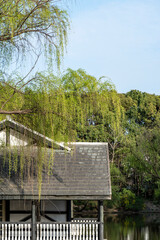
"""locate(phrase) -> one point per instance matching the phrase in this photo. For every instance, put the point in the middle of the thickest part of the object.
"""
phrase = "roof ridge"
(89, 143)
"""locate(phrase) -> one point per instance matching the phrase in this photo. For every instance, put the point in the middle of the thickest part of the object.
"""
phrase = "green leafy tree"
(62, 112)
(142, 163)
(142, 107)
(30, 25)
(102, 110)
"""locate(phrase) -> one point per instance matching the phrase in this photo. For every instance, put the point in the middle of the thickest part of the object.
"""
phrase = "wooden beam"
(25, 218)
(55, 197)
(49, 218)
(29, 212)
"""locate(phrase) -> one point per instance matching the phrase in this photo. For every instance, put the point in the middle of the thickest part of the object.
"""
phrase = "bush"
(129, 201)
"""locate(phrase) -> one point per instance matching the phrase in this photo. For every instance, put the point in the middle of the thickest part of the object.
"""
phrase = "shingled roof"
(81, 173)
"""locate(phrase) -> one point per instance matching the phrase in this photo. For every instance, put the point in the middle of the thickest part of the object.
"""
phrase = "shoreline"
(149, 208)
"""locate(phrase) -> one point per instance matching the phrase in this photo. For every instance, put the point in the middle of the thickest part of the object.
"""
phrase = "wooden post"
(101, 220)
(72, 216)
(38, 211)
(33, 223)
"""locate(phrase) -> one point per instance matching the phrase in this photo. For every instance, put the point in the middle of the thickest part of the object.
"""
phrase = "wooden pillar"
(69, 210)
(33, 223)
(101, 220)
(38, 211)
(72, 215)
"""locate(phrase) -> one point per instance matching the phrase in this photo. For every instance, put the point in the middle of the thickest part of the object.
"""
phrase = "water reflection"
(132, 227)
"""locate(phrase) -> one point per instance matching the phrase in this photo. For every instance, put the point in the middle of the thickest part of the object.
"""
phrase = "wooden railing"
(79, 230)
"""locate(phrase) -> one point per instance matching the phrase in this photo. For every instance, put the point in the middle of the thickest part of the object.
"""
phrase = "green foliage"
(157, 192)
(68, 112)
(143, 107)
(85, 205)
(59, 111)
(78, 107)
(117, 177)
(129, 201)
(25, 20)
(157, 195)
(118, 181)
(145, 155)
(115, 201)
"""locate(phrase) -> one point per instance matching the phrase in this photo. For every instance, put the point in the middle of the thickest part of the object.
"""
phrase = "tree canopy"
(28, 27)
(73, 101)
(73, 107)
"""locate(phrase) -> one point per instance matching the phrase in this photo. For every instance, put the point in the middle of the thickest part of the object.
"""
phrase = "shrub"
(129, 201)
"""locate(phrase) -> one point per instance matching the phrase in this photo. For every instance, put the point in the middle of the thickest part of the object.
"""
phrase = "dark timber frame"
(70, 217)
(38, 211)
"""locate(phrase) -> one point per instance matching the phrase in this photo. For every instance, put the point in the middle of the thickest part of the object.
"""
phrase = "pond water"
(132, 227)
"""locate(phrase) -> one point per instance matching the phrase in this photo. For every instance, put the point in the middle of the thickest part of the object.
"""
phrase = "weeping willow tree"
(74, 107)
(28, 28)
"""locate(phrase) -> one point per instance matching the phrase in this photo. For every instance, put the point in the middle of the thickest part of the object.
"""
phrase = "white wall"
(16, 139)
(57, 206)
(54, 205)
(3, 137)
(20, 205)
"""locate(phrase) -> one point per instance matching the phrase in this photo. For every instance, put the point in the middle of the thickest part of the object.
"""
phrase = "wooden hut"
(78, 171)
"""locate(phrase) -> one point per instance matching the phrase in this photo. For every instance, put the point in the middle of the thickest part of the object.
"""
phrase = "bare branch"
(26, 111)
(16, 90)
(28, 73)
(27, 82)
(8, 99)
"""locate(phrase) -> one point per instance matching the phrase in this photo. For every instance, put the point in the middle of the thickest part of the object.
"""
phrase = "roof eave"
(55, 197)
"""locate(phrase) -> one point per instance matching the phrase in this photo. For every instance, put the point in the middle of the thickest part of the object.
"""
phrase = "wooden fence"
(78, 230)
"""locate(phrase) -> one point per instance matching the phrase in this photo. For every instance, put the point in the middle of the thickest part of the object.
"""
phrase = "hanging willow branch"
(64, 109)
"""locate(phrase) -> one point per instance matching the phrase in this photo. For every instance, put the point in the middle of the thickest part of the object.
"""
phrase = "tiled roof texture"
(82, 173)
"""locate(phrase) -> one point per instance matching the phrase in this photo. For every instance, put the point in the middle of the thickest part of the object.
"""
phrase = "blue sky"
(119, 39)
